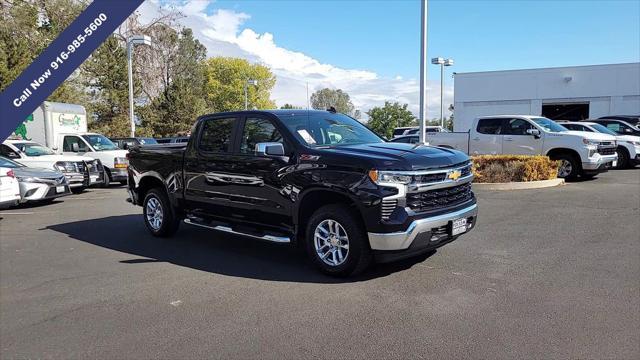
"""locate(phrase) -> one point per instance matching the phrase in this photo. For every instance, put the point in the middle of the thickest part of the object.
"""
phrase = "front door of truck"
(208, 163)
(487, 138)
(516, 140)
(259, 191)
(74, 145)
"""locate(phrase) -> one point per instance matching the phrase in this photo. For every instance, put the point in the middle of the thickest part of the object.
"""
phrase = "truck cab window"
(489, 126)
(517, 127)
(8, 152)
(216, 135)
(257, 131)
(68, 142)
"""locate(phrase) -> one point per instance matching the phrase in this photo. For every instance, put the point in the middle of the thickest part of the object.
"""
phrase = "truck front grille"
(606, 150)
(439, 198)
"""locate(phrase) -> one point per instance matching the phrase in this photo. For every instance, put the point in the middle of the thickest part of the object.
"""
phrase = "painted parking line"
(17, 213)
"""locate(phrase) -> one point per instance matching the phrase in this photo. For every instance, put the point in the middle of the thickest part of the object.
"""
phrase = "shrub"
(513, 168)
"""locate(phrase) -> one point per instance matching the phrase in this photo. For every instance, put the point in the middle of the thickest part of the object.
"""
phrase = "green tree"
(226, 81)
(289, 106)
(340, 100)
(182, 92)
(384, 119)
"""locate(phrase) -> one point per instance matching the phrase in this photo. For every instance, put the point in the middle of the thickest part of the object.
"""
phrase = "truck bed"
(452, 140)
(165, 159)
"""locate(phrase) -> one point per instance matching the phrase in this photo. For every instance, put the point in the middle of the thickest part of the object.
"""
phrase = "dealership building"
(573, 93)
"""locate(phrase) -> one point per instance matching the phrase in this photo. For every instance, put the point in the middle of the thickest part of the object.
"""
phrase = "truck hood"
(38, 172)
(401, 156)
(52, 159)
(628, 138)
(592, 135)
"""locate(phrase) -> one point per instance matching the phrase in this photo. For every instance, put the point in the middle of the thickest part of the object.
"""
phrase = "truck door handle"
(476, 138)
(508, 139)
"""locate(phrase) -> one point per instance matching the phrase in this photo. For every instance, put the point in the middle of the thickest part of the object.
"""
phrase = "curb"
(519, 185)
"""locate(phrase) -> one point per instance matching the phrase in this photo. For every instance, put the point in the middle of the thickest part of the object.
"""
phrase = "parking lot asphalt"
(549, 273)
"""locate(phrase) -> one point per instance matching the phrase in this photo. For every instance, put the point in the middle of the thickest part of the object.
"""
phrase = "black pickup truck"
(318, 178)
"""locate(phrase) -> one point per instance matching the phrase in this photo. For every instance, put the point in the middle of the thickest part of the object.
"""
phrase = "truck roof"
(508, 116)
(276, 112)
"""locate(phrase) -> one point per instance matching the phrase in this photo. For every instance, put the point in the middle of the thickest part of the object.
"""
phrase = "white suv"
(628, 149)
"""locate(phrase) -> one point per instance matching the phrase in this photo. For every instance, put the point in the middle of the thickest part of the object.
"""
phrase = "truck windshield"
(100, 142)
(34, 149)
(327, 129)
(602, 129)
(549, 125)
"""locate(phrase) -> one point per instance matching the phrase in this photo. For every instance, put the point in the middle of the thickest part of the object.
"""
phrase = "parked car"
(581, 154)
(631, 119)
(407, 139)
(618, 126)
(81, 172)
(126, 143)
(63, 128)
(414, 130)
(315, 177)
(9, 188)
(628, 149)
(37, 184)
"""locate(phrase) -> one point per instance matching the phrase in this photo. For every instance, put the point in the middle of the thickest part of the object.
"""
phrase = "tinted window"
(327, 129)
(613, 126)
(489, 126)
(67, 145)
(517, 127)
(8, 152)
(216, 135)
(257, 131)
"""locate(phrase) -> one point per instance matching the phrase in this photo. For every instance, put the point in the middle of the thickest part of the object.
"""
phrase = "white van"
(63, 128)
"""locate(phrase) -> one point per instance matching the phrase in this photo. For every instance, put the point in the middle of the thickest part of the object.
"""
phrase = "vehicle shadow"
(212, 251)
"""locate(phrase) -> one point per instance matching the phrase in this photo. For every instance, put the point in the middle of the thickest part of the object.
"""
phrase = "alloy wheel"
(154, 213)
(331, 242)
(565, 168)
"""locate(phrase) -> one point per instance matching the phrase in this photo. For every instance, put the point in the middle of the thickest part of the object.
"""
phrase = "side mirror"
(75, 147)
(125, 146)
(534, 132)
(627, 130)
(269, 149)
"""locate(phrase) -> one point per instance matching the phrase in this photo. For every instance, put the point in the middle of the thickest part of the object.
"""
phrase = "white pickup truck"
(581, 153)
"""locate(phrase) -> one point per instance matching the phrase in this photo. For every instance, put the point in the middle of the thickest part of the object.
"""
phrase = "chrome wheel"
(565, 168)
(331, 242)
(154, 213)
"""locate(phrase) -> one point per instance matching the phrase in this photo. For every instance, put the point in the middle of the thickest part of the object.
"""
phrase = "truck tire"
(107, 179)
(623, 158)
(569, 166)
(336, 242)
(77, 190)
(158, 214)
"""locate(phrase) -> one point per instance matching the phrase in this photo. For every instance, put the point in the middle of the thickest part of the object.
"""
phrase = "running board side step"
(272, 238)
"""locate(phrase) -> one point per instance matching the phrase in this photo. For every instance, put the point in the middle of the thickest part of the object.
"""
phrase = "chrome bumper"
(595, 163)
(403, 239)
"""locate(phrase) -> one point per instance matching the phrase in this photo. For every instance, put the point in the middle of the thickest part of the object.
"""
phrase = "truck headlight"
(380, 177)
(590, 142)
(66, 166)
(120, 163)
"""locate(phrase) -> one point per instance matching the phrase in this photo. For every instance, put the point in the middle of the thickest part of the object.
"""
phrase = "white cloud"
(224, 34)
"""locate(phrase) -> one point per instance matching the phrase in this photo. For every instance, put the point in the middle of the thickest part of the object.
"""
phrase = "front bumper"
(118, 174)
(31, 191)
(599, 162)
(431, 231)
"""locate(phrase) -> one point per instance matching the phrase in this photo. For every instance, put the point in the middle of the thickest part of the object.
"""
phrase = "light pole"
(246, 92)
(423, 68)
(442, 62)
(134, 40)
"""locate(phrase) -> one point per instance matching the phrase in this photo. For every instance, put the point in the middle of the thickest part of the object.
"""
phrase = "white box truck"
(63, 128)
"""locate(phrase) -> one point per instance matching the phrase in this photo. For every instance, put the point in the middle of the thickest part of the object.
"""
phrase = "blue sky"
(371, 48)
(383, 36)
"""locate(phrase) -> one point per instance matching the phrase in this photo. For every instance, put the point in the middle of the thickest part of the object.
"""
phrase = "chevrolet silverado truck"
(316, 178)
(582, 154)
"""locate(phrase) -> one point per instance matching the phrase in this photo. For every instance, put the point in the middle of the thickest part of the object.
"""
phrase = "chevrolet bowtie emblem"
(454, 175)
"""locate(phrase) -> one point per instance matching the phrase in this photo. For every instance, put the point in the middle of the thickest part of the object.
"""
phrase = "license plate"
(458, 226)
(59, 189)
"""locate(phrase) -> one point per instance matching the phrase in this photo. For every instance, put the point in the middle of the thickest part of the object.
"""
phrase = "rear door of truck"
(486, 137)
